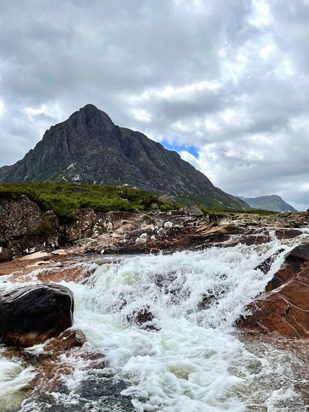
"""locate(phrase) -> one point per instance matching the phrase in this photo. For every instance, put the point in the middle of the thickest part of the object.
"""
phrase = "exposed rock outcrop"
(284, 306)
(34, 313)
(24, 228)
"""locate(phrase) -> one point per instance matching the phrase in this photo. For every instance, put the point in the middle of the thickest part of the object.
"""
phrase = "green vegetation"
(250, 211)
(65, 199)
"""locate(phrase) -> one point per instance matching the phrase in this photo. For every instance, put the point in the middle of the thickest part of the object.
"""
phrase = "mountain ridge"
(89, 148)
(269, 202)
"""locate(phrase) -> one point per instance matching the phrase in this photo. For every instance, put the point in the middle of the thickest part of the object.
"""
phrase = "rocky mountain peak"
(89, 148)
(90, 117)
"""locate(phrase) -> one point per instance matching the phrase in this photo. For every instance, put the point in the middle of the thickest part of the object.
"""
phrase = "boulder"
(284, 306)
(193, 210)
(31, 314)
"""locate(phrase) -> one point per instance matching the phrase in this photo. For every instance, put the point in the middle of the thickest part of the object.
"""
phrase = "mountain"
(89, 148)
(273, 203)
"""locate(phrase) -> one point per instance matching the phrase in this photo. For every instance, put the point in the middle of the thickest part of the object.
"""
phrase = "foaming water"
(165, 325)
(14, 375)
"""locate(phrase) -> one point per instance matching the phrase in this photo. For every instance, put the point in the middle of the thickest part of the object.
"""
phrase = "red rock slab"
(39, 260)
(285, 273)
(284, 307)
(76, 273)
(50, 268)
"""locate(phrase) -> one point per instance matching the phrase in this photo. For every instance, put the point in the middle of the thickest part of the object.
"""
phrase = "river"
(187, 357)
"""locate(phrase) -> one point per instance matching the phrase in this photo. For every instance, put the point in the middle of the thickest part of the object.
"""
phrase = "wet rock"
(287, 233)
(257, 239)
(284, 306)
(266, 265)
(298, 255)
(67, 340)
(285, 273)
(209, 239)
(206, 301)
(75, 273)
(143, 317)
(34, 313)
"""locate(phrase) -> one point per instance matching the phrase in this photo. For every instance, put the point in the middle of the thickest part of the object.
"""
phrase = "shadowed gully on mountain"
(90, 148)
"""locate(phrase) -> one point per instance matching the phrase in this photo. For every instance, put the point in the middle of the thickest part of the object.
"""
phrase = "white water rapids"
(191, 359)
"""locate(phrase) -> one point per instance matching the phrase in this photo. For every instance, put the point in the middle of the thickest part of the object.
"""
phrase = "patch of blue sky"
(178, 148)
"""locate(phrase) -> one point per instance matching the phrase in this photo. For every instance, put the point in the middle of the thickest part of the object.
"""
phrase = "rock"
(67, 340)
(284, 306)
(256, 239)
(143, 318)
(266, 265)
(154, 206)
(24, 228)
(193, 210)
(287, 233)
(19, 217)
(73, 273)
(32, 314)
(6, 254)
(298, 255)
(168, 199)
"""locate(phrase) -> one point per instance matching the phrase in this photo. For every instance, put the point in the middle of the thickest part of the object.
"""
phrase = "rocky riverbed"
(214, 271)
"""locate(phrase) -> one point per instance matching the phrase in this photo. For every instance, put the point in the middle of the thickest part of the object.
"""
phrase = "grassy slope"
(65, 199)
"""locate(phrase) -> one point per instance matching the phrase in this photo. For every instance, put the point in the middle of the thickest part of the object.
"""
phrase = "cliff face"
(90, 148)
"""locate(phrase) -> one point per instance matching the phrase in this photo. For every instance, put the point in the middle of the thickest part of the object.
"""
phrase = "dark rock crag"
(32, 314)
(90, 148)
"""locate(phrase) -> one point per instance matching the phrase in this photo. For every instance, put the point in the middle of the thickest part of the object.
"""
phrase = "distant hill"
(90, 148)
(273, 202)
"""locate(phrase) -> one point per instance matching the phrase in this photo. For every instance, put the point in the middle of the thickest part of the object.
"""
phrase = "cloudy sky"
(224, 82)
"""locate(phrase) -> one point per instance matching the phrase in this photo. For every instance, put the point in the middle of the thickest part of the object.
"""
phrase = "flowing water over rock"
(164, 324)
